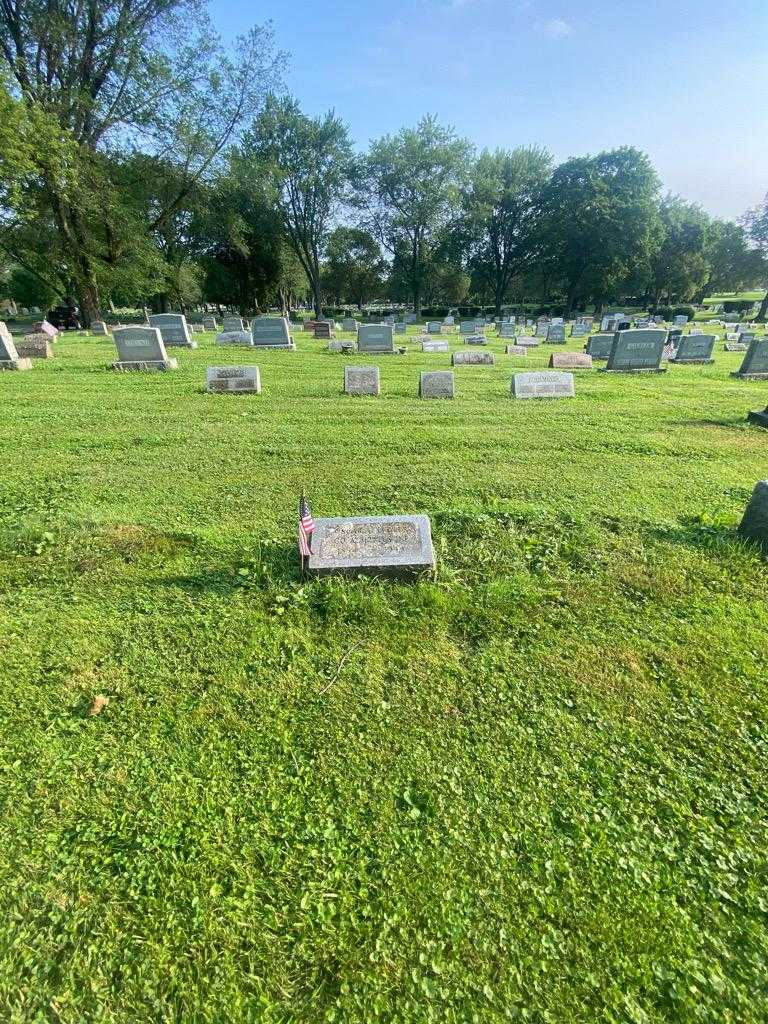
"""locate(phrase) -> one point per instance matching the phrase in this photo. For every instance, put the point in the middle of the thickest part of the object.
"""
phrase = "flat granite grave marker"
(472, 358)
(735, 346)
(374, 545)
(272, 332)
(436, 384)
(695, 348)
(400, 329)
(556, 334)
(754, 525)
(755, 365)
(570, 361)
(233, 379)
(43, 327)
(244, 338)
(349, 324)
(434, 346)
(361, 380)
(599, 346)
(470, 327)
(9, 357)
(543, 385)
(636, 352)
(376, 338)
(141, 348)
(517, 350)
(527, 341)
(173, 330)
(341, 346)
(35, 346)
(475, 339)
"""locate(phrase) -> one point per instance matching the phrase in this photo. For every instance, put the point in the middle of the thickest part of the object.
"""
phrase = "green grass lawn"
(536, 787)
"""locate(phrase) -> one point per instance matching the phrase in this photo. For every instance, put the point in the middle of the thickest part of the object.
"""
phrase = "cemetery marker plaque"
(373, 545)
(173, 330)
(695, 348)
(361, 380)
(543, 385)
(636, 352)
(436, 384)
(233, 379)
(141, 348)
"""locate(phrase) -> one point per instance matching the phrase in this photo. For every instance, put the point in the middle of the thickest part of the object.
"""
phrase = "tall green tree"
(502, 208)
(354, 269)
(599, 218)
(679, 267)
(309, 161)
(756, 224)
(411, 187)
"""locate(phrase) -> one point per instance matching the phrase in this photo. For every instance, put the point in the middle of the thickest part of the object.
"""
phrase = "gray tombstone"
(244, 338)
(755, 365)
(141, 348)
(410, 318)
(209, 324)
(341, 346)
(361, 380)
(472, 358)
(349, 324)
(475, 339)
(434, 327)
(506, 330)
(434, 346)
(9, 357)
(527, 341)
(436, 384)
(271, 332)
(637, 352)
(695, 348)
(400, 329)
(680, 321)
(99, 327)
(173, 330)
(759, 417)
(233, 379)
(43, 327)
(378, 545)
(469, 327)
(570, 361)
(517, 350)
(543, 385)
(556, 334)
(375, 338)
(579, 330)
(35, 346)
(232, 323)
(599, 346)
(542, 330)
(754, 525)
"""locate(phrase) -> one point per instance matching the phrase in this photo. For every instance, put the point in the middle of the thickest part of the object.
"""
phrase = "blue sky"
(677, 79)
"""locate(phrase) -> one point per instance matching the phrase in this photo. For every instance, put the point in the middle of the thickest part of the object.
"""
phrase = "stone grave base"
(692, 362)
(180, 344)
(372, 545)
(277, 348)
(148, 365)
(750, 376)
(15, 364)
(650, 369)
(759, 418)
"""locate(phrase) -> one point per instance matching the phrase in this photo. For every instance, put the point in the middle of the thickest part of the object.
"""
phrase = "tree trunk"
(317, 297)
(570, 301)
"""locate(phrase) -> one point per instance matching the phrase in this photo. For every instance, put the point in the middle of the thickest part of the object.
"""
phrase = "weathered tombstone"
(543, 385)
(470, 327)
(35, 346)
(323, 330)
(434, 327)
(759, 417)
(173, 330)
(475, 339)
(233, 379)
(436, 384)
(374, 545)
(528, 342)
(100, 328)
(9, 357)
(506, 330)
(209, 324)
(622, 324)
(755, 365)
(341, 346)
(735, 346)
(472, 358)
(43, 327)
(400, 329)
(599, 346)
(695, 348)
(680, 321)
(434, 346)
(375, 338)
(232, 323)
(196, 328)
(637, 352)
(579, 330)
(449, 321)
(542, 330)
(271, 332)
(141, 348)
(517, 350)
(349, 324)
(556, 334)
(361, 380)
(745, 337)
(754, 525)
(410, 318)
(235, 338)
(570, 361)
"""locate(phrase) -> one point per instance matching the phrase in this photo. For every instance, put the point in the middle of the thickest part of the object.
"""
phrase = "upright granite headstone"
(517, 350)
(349, 324)
(361, 380)
(173, 330)
(472, 358)
(209, 324)
(434, 346)
(436, 384)
(9, 357)
(232, 323)
(599, 346)
(434, 327)
(272, 332)
(100, 328)
(400, 329)
(506, 330)
(759, 417)
(237, 379)
(754, 525)
(378, 545)
(579, 330)
(755, 365)
(543, 384)
(556, 334)
(570, 361)
(527, 341)
(470, 327)
(637, 352)
(43, 327)
(141, 348)
(695, 348)
(375, 338)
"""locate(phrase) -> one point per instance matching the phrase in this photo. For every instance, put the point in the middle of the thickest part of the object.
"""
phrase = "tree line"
(141, 161)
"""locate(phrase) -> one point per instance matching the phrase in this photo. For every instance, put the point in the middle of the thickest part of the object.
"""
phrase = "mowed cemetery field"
(532, 788)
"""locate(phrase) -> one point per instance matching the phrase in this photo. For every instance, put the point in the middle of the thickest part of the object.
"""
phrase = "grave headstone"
(579, 330)
(570, 361)
(400, 329)
(475, 339)
(695, 348)
(35, 346)
(680, 321)
(210, 325)
(470, 327)
(543, 385)
(556, 334)
(99, 328)
(341, 346)
(233, 379)
(436, 384)
(434, 346)
(173, 330)
(542, 330)
(235, 338)
(434, 327)
(43, 327)
(506, 330)
(361, 380)
(373, 545)
(375, 338)
(517, 350)
(528, 342)
(599, 346)
(232, 323)
(472, 358)
(754, 525)
(449, 321)
(735, 346)
(759, 417)
(141, 348)
(755, 365)
(272, 332)
(636, 352)
(349, 324)
(410, 318)
(9, 357)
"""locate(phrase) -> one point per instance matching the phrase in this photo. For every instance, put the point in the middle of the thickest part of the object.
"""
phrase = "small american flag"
(306, 527)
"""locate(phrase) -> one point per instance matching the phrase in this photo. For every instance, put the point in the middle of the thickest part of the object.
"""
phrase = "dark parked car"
(64, 318)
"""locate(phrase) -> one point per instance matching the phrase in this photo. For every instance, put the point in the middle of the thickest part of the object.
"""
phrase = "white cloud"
(557, 28)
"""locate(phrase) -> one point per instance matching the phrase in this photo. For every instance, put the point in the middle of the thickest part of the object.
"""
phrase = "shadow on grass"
(706, 535)
(726, 421)
(271, 566)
